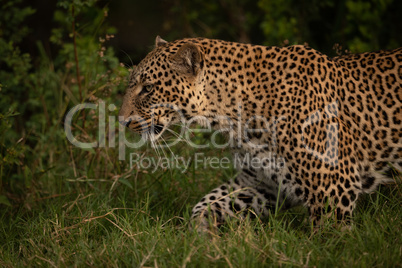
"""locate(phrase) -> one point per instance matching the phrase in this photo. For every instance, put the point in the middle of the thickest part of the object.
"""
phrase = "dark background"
(355, 25)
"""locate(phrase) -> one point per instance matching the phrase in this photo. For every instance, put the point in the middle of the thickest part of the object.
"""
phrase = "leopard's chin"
(154, 133)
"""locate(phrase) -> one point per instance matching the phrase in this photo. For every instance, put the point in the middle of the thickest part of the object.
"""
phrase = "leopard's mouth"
(157, 129)
(142, 127)
(153, 133)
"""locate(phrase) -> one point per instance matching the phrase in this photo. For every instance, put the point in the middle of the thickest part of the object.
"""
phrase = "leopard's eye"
(146, 89)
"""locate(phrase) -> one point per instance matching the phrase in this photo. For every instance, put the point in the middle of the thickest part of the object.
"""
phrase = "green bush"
(36, 93)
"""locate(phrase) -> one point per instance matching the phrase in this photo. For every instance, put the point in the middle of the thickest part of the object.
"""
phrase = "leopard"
(336, 122)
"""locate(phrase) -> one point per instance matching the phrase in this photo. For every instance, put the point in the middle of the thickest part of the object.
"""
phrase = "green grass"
(97, 220)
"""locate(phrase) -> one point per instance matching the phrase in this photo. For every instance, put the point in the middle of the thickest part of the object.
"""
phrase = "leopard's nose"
(125, 123)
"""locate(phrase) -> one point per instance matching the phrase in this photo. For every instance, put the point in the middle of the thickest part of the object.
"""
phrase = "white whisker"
(173, 154)
(153, 144)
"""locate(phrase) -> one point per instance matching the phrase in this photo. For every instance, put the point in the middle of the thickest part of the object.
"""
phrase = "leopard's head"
(165, 88)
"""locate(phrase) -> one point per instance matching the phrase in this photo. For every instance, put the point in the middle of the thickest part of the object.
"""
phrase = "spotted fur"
(335, 122)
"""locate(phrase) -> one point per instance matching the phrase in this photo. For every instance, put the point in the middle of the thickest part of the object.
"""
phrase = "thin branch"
(77, 67)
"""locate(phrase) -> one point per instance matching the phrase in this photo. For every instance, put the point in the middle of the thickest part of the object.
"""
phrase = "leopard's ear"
(188, 59)
(159, 41)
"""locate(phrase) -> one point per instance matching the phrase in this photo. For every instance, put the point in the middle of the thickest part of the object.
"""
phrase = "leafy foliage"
(356, 25)
(35, 97)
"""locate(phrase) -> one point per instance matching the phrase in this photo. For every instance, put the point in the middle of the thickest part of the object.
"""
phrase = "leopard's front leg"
(237, 198)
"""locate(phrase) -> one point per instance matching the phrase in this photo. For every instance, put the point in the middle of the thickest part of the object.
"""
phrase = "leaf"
(4, 201)
(126, 182)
